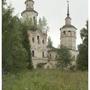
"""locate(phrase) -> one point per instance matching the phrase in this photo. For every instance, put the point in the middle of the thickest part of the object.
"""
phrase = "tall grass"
(46, 80)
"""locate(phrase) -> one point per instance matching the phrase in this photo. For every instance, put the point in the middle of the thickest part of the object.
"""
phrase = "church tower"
(37, 38)
(29, 12)
(68, 33)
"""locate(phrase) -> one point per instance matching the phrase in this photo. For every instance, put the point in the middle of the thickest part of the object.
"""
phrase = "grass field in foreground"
(46, 80)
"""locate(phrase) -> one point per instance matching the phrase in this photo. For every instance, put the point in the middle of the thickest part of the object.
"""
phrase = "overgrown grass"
(46, 80)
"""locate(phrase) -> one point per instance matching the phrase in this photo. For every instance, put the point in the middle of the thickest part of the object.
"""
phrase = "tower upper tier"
(29, 12)
(68, 19)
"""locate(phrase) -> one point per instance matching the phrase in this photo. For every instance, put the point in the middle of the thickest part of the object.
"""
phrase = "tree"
(13, 53)
(63, 58)
(44, 21)
(82, 60)
(42, 24)
(30, 24)
(26, 45)
(49, 43)
(4, 2)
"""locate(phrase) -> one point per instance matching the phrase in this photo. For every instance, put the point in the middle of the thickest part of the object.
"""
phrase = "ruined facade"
(38, 39)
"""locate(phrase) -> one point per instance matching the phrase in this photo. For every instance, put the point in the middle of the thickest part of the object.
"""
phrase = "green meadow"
(46, 80)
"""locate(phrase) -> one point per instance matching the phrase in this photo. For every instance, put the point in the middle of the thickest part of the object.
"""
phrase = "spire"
(67, 8)
(68, 19)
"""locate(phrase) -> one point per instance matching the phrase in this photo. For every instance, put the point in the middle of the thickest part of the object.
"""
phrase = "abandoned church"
(38, 39)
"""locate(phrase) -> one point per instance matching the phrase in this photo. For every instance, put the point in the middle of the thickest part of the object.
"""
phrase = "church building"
(38, 39)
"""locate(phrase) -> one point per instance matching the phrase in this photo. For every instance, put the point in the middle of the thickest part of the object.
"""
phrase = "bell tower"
(29, 12)
(68, 33)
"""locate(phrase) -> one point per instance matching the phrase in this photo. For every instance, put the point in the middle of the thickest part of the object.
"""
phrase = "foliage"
(3, 2)
(82, 62)
(29, 24)
(13, 54)
(49, 43)
(42, 24)
(63, 57)
(46, 80)
(26, 44)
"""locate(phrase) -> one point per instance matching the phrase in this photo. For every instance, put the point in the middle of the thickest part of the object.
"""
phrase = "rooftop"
(29, 11)
(68, 26)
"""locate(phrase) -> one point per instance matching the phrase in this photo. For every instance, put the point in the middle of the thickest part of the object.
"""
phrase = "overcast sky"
(55, 13)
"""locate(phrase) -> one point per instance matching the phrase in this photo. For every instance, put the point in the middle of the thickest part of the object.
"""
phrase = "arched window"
(27, 4)
(43, 54)
(43, 41)
(56, 57)
(69, 33)
(33, 39)
(33, 53)
(34, 20)
(38, 40)
(50, 56)
(64, 32)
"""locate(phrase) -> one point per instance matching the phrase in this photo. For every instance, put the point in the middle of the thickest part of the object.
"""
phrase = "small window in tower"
(34, 20)
(56, 57)
(69, 33)
(43, 54)
(38, 40)
(33, 39)
(50, 56)
(43, 41)
(33, 53)
(64, 32)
